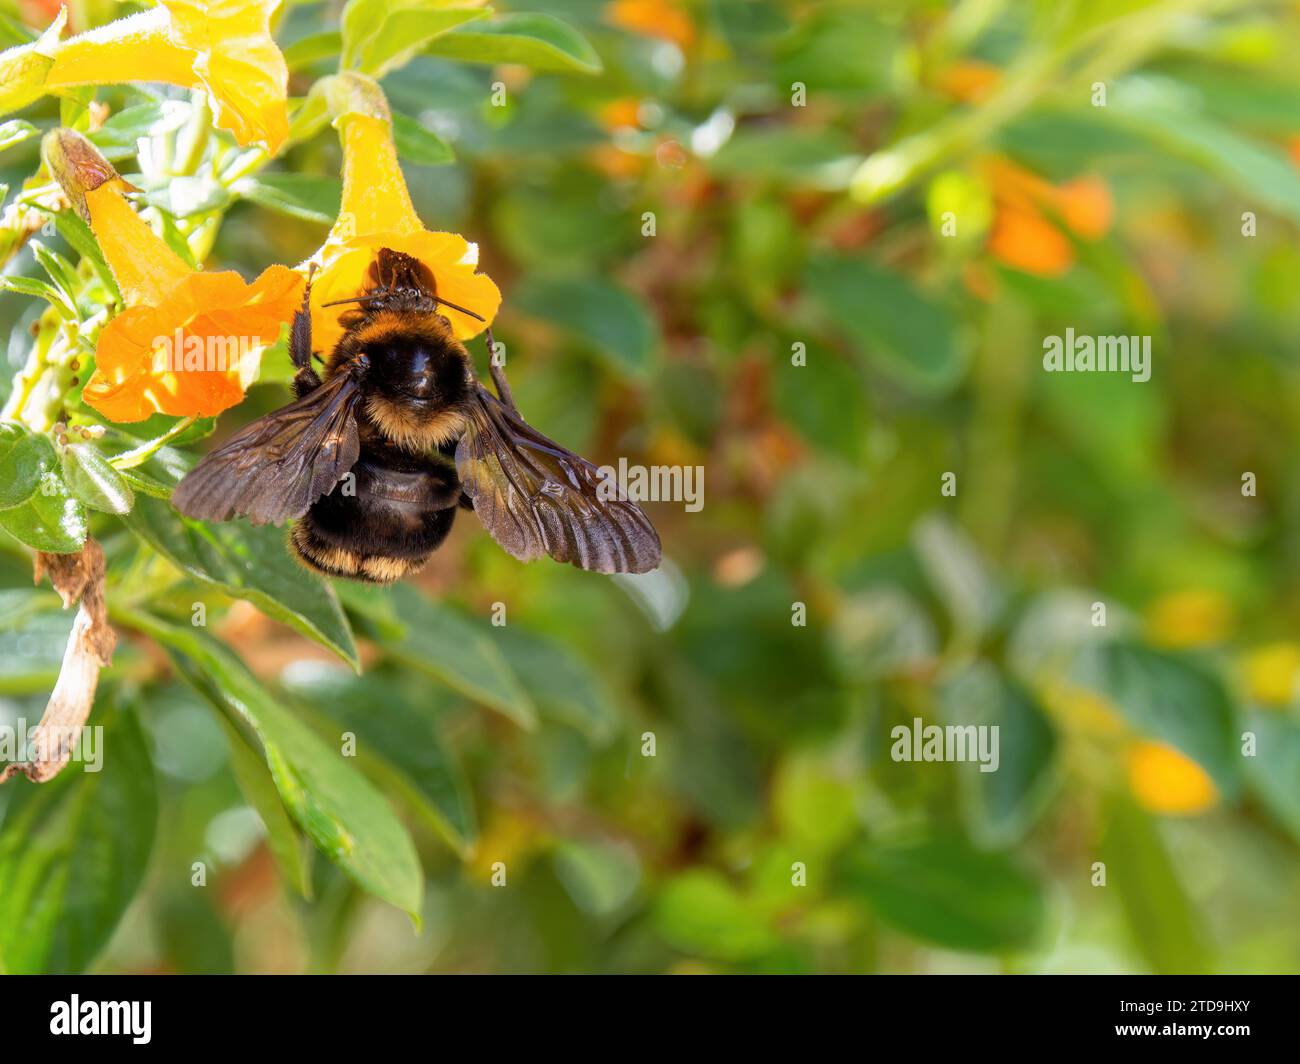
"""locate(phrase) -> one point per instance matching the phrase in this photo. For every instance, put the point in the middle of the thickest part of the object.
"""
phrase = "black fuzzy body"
(397, 503)
(383, 521)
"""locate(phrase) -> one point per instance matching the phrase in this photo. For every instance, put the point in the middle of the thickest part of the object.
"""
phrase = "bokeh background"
(1115, 168)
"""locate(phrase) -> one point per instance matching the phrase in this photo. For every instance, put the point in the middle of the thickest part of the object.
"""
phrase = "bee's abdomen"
(380, 524)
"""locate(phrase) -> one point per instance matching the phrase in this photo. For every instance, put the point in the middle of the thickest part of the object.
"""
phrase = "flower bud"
(350, 93)
(76, 165)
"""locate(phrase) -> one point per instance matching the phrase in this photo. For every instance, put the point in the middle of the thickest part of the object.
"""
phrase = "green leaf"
(1171, 698)
(96, 483)
(336, 807)
(700, 912)
(401, 748)
(148, 436)
(146, 484)
(816, 157)
(248, 562)
(79, 237)
(74, 107)
(944, 891)
(257, 786)
(892, 326)
(824, 400)
(59, 269)
(51, 520)
(312, 49)
(73, 852)
(1000, 805)
(176, 240)
(563, 686)
(418, 144)
(1160, 915)
(1157, 111)
(25, 457)
(601, 877)
(532, 40)
(20, 604)
(33, 653)
(380, 36)
(597, 312)
(1243, 98)
(310, 114)
(445, 645)
(30, 286)
(1274, 771)
(813, 805)
(957, 574)
(186, 195)
(314, 199)
(119, 136)
(14, 132)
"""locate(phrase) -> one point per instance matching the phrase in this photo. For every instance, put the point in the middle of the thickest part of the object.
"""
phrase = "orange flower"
(1025, 232)
(1086, 206)
(617, 164)
(622, 113)
(189, 343)
(969, 80)
(1166, 781)
(653, 18)
(1027, 241)
(376, 213)
(222, 46)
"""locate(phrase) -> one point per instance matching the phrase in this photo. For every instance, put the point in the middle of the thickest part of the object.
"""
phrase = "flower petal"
(195, 353)
(136, 48)
(375, 199)
(224, 46)
(451, 258)
(145, 268)
(239, 64)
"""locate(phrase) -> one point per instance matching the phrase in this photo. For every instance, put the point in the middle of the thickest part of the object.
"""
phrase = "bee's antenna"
(453, 306)
(436, 299)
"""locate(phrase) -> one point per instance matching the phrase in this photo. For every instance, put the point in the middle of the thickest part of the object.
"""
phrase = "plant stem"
(139, 455)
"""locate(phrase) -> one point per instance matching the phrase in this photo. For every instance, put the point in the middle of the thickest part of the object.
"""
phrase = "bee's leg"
(498, 373)
(305, 380)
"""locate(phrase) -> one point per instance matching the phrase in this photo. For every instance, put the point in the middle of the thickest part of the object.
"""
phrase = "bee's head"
(417, 369)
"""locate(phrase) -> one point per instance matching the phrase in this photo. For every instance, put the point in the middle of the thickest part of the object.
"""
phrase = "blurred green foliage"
(670, 773)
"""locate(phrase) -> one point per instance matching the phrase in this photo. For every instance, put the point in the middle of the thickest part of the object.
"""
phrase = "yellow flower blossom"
(1164, 780)
(222, 321)
(1189, 618)
(1271, 673)
(222, 46)
(376, 213)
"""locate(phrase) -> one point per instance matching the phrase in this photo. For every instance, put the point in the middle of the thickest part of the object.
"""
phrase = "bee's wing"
(536, 498)
(274, 468)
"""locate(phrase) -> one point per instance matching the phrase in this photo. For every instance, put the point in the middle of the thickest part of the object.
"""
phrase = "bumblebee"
(378, 452)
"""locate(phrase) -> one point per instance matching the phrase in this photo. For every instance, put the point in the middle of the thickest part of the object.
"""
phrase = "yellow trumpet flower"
(222, 46)
(1273, 673)
(1165, 780)
(376, 213)
(189, 342)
